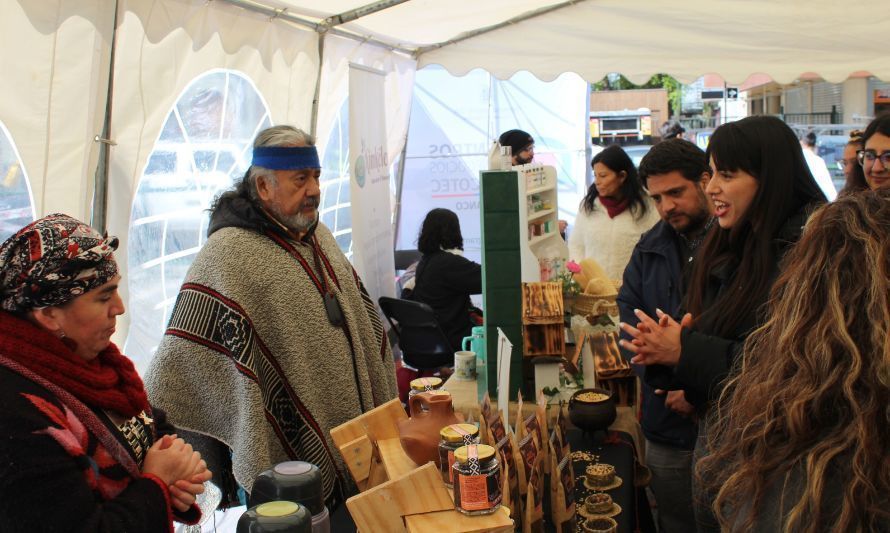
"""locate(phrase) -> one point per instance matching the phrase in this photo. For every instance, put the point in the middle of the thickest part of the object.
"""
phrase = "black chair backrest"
(424, 345)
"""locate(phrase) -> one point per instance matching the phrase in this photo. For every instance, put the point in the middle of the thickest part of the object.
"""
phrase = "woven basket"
(586, 304)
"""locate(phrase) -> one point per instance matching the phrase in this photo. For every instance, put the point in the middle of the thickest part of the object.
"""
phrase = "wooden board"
(382, 422)
(542, 303)
(456, 522)
(383, 507)
(356, 440)
(396, 462)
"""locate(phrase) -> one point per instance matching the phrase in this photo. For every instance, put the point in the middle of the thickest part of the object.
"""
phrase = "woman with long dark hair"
(875, 155)
(445, 279)
(800, 442)
(613, 214)
(853, 175)
(762, 192)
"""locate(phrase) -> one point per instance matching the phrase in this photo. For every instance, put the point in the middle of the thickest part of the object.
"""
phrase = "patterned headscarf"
(52, 261)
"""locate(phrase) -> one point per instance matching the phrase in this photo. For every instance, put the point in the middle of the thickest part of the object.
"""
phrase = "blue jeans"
(672, 485)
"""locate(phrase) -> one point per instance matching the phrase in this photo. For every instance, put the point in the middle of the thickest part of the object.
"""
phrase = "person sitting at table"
(801, 439)
(613, 214)
(445, 279)
(81, 448)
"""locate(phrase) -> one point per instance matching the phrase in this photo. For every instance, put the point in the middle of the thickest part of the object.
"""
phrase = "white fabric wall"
(52, 98)
(398, 86)
(162, 46)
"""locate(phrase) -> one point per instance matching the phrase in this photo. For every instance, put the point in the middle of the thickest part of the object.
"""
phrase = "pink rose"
(573, 267)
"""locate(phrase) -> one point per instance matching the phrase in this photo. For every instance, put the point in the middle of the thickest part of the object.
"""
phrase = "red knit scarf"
(614, 207)
(109, 381)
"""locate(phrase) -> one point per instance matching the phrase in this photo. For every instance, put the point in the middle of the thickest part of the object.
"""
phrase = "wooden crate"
(542, 303)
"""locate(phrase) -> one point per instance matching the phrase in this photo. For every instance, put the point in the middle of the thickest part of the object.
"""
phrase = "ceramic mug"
(464, 366)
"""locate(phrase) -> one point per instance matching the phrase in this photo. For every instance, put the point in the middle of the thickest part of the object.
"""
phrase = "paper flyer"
(505, 350)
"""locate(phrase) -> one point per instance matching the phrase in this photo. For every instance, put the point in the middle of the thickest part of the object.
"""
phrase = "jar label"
(451, 466)
(474, 492)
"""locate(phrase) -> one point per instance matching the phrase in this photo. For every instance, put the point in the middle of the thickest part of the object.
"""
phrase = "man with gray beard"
(273, 340)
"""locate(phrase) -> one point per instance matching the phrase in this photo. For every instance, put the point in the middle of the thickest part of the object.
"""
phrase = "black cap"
(517, 140)
(674, 130)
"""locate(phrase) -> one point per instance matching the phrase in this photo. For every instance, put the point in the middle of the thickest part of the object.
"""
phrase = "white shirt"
(609, 241)
(821, 173)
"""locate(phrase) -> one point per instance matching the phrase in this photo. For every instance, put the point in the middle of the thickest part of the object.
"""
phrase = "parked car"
(637, 152)
(831, 149)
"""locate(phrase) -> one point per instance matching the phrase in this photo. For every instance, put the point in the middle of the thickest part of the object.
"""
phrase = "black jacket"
(652, 280)
(445, 281)
(705, 359)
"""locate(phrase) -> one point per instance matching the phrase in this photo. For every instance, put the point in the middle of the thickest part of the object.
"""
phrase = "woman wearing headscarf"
(82, 449)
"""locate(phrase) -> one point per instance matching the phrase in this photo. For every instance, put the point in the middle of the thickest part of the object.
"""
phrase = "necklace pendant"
(145, 419)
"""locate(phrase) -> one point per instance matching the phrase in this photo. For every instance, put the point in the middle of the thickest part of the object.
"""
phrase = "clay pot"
(419, 435)
(592, 415)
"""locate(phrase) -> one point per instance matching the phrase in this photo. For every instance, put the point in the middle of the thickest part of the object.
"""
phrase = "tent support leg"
(313, 121)
(99, 207)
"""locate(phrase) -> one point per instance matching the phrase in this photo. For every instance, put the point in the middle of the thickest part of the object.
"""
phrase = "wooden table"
(463, 394)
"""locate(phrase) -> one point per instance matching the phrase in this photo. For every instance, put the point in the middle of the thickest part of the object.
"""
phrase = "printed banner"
(372, 235)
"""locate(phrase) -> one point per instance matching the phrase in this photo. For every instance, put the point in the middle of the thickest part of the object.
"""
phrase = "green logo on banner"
(360, 170)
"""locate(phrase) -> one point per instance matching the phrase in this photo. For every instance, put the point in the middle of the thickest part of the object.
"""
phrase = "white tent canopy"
(292, 57)
(638, 38)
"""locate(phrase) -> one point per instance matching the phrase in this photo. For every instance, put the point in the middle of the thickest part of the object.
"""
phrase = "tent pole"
(284, 15)
(475, 33)
(313, 121)
(99, 207)
(353, 14)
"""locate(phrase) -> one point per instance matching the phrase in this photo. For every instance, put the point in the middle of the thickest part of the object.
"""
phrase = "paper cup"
(464, 366)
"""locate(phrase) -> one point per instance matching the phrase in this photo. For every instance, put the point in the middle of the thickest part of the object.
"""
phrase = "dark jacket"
(445, 281)
(705, 359)
(652, 280)
(57, 474)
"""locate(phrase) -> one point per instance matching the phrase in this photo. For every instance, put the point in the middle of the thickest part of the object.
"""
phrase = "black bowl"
(592, 416)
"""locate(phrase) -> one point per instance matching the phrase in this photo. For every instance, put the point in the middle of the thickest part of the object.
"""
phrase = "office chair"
(423, 343)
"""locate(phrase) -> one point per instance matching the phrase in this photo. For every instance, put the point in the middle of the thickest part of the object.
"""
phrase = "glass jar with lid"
(477, 480)
(424, 385)
(451, 438)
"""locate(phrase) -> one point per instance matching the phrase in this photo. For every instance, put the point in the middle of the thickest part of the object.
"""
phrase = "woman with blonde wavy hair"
(802, 438)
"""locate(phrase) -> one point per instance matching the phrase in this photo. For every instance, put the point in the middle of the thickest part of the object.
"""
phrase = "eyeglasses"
(867, 158)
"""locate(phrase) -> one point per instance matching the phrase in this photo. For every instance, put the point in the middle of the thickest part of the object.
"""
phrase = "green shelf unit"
(501, 275)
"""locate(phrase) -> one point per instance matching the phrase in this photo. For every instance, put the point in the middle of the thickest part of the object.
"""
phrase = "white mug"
(464, 366)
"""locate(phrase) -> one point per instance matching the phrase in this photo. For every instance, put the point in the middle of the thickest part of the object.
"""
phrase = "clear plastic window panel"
(203, 149)
(16, 206)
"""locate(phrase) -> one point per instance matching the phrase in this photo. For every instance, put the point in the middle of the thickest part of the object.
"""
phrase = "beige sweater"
(609, 241)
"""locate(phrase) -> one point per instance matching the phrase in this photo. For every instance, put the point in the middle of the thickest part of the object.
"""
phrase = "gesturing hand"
(676, 402)
(655, 343)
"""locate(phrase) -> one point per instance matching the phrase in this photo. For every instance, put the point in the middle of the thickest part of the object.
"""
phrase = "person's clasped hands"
(655, 342)
(179, 466)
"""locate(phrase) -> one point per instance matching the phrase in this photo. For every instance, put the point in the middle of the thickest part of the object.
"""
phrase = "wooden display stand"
(543, 334)
(397, 495)
(542, 319)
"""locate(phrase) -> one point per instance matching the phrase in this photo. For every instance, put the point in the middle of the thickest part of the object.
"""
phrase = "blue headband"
(286, 157)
